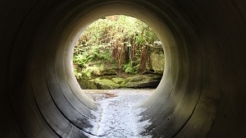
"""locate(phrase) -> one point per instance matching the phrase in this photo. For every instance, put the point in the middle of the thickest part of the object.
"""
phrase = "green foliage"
(129, 68)
(78, 75)
(102, 41)
(94, 53)
(81, 60)
(86, 73)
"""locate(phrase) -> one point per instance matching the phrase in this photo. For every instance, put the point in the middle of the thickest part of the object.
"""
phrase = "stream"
(119, 117)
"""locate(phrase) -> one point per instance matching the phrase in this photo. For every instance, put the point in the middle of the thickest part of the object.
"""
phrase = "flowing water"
(119, 116)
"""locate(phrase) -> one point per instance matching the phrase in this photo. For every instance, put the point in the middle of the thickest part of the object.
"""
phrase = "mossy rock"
(135, 78)
(118, 80)
(113, 82)
(106, 84)
(109, 72)
(143, 81)
(87, 84)
(157, 61)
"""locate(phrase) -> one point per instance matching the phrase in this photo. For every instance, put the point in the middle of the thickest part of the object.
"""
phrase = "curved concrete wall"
(202, 92)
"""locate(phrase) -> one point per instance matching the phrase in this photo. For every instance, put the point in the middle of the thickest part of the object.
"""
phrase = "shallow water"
(119, 116)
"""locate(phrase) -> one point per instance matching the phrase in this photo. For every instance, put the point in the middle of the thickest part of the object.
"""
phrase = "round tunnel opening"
(118, 52)
(123, 53)
(81, 21)
(163, 33)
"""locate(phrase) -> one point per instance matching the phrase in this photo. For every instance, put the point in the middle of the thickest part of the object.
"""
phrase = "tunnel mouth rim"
(127, 13)
(73, 29)
(169, 32)
(123, 71)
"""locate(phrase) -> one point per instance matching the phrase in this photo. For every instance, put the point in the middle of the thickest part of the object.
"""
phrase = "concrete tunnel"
(201, 94)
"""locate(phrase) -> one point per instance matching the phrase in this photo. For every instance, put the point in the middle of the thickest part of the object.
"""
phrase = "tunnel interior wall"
(202, 93)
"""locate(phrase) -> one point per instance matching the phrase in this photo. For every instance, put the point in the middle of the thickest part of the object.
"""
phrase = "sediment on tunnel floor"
(201, 94)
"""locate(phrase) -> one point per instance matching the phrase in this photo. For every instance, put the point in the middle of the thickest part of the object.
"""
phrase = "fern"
(106, 41)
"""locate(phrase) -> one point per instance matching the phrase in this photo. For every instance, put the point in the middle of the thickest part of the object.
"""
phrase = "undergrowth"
(113, 41)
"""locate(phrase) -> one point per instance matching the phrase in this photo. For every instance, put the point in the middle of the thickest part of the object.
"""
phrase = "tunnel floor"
(118, 113)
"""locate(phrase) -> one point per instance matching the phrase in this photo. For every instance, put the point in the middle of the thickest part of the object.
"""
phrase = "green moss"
(118, 80)
(106, 84)
(135, 78)
(113, 82)
(87, 84)
(157, 59)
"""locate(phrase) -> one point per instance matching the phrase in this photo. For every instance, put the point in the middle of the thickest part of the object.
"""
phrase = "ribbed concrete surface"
(202, 93)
